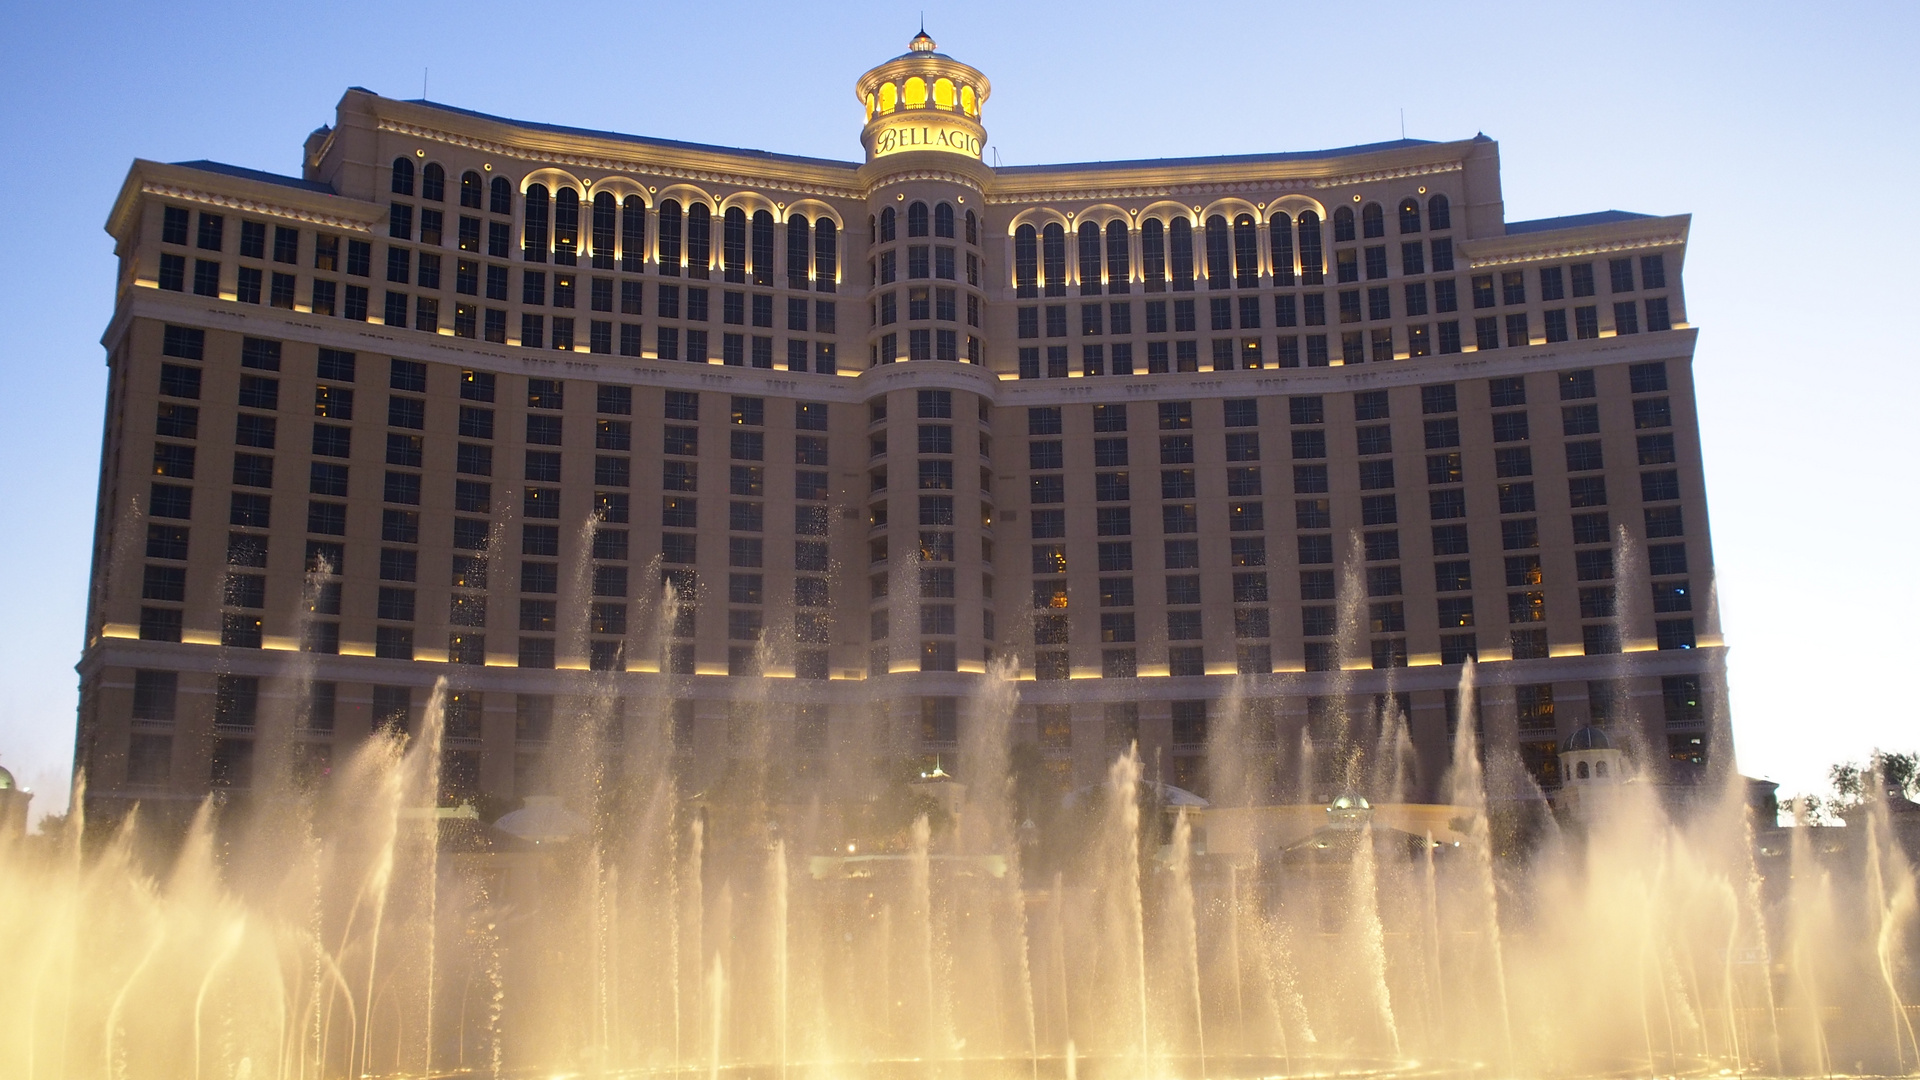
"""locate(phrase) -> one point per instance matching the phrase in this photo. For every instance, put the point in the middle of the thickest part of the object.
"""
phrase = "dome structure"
(1587, 738)
(6, 780)
(1349, 810)
(923, 101)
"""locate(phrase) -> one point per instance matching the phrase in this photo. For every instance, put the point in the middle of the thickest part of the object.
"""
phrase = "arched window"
(699, 241)
(1219, 254)
(1313, 266)
(1409, 216)
(917, 219)
(943, 97)
(914, 94)
(1153, 255)
(886, 225)
(566, 225)
(763, 247)
(502, 196)
(826, 256)
(733, 246)
(1580, 771)
(633, 234)
(943, 220)
(973, 230)
(968, 103)
(1246, 253)
(670, 238)
(1180, 240)
(799, 250)
(1599, 767)
(472, 190)
(533, 235)
(1343, 224)
(1053, 259)
(1439, 213)
(402, 176)
(606, 216)
(1119, 258)
(1089, 258)
(433, 183)
(1026, 262)
(1373, 223)
(1280, 229)
(889, 97)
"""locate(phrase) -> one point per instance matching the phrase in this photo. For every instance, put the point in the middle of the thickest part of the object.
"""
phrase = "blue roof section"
(255, 174)
(1573, 221)
(1224, 159)
(639, 140)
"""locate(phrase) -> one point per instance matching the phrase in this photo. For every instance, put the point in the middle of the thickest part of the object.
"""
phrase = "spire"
(921, 43)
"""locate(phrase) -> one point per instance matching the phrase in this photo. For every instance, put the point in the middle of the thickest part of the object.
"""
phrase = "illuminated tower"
(931, 509)
(923, 100)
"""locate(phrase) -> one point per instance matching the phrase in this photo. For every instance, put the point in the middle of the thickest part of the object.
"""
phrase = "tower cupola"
(923, 101)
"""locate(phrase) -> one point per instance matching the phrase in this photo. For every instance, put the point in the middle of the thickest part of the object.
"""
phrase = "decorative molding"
(616, 165)
(1240, 187)
(939, 175)
(1596, 247)
(254, 206)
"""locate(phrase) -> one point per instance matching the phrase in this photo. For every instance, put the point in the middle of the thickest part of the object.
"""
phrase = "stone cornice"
(1236, 179)
(254, 206)
(673, 165)
(1631, 235)
(189, 184)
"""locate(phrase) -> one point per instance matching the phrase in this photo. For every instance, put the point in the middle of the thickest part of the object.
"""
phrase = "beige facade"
(602, 428)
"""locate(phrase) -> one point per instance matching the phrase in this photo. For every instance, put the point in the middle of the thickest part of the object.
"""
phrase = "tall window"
(826, 255)
(762, 247)
(1219, 257)
(433, 183)
(1180, 239)
(886, 225)
(1153, 255)
(1119, 260)
(472, 190)
(605, 217)
(799, 250)
(1246, 253)
(1439, 213)
(973, 229)
(1409, 216)
(1281, 233)
(1373, 221)
(1343, 225)
(1089, 258)
(533, 235)
(733, 245)
(943, 221)
(502, 197)
(699, 240)
(402, 176)
(1313, 267)
(566, 226)
(1053, 251)
(670, 232)
(633, 234)
(1026, 261)
(917, 219)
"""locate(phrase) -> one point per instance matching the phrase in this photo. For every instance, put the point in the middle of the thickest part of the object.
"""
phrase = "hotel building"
(1264, 444)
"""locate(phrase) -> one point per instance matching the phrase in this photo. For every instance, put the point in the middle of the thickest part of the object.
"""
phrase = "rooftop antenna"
(423, 84)
(1403, 122)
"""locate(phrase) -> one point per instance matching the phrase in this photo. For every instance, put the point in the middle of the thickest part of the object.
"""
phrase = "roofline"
(237, 188)
(1219, 159)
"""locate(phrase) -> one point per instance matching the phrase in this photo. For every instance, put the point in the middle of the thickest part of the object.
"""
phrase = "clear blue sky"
(1788, 133)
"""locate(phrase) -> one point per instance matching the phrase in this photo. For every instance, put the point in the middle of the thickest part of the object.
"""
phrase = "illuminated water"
(935, 930)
